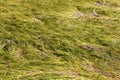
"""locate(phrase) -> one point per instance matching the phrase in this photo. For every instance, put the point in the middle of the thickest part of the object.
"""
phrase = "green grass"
(59, 39)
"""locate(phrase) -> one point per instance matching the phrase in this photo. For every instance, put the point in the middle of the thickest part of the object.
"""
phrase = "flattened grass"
(59, 39)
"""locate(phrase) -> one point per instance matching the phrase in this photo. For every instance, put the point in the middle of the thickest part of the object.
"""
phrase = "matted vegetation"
(59, 39)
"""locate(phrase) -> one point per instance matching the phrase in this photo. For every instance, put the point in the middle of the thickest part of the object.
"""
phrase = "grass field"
(59, 39)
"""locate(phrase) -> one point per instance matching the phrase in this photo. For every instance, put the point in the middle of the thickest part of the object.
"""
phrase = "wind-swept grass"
(59, 39)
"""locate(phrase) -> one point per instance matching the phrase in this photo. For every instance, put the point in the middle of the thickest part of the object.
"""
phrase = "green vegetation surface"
(59, 39)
